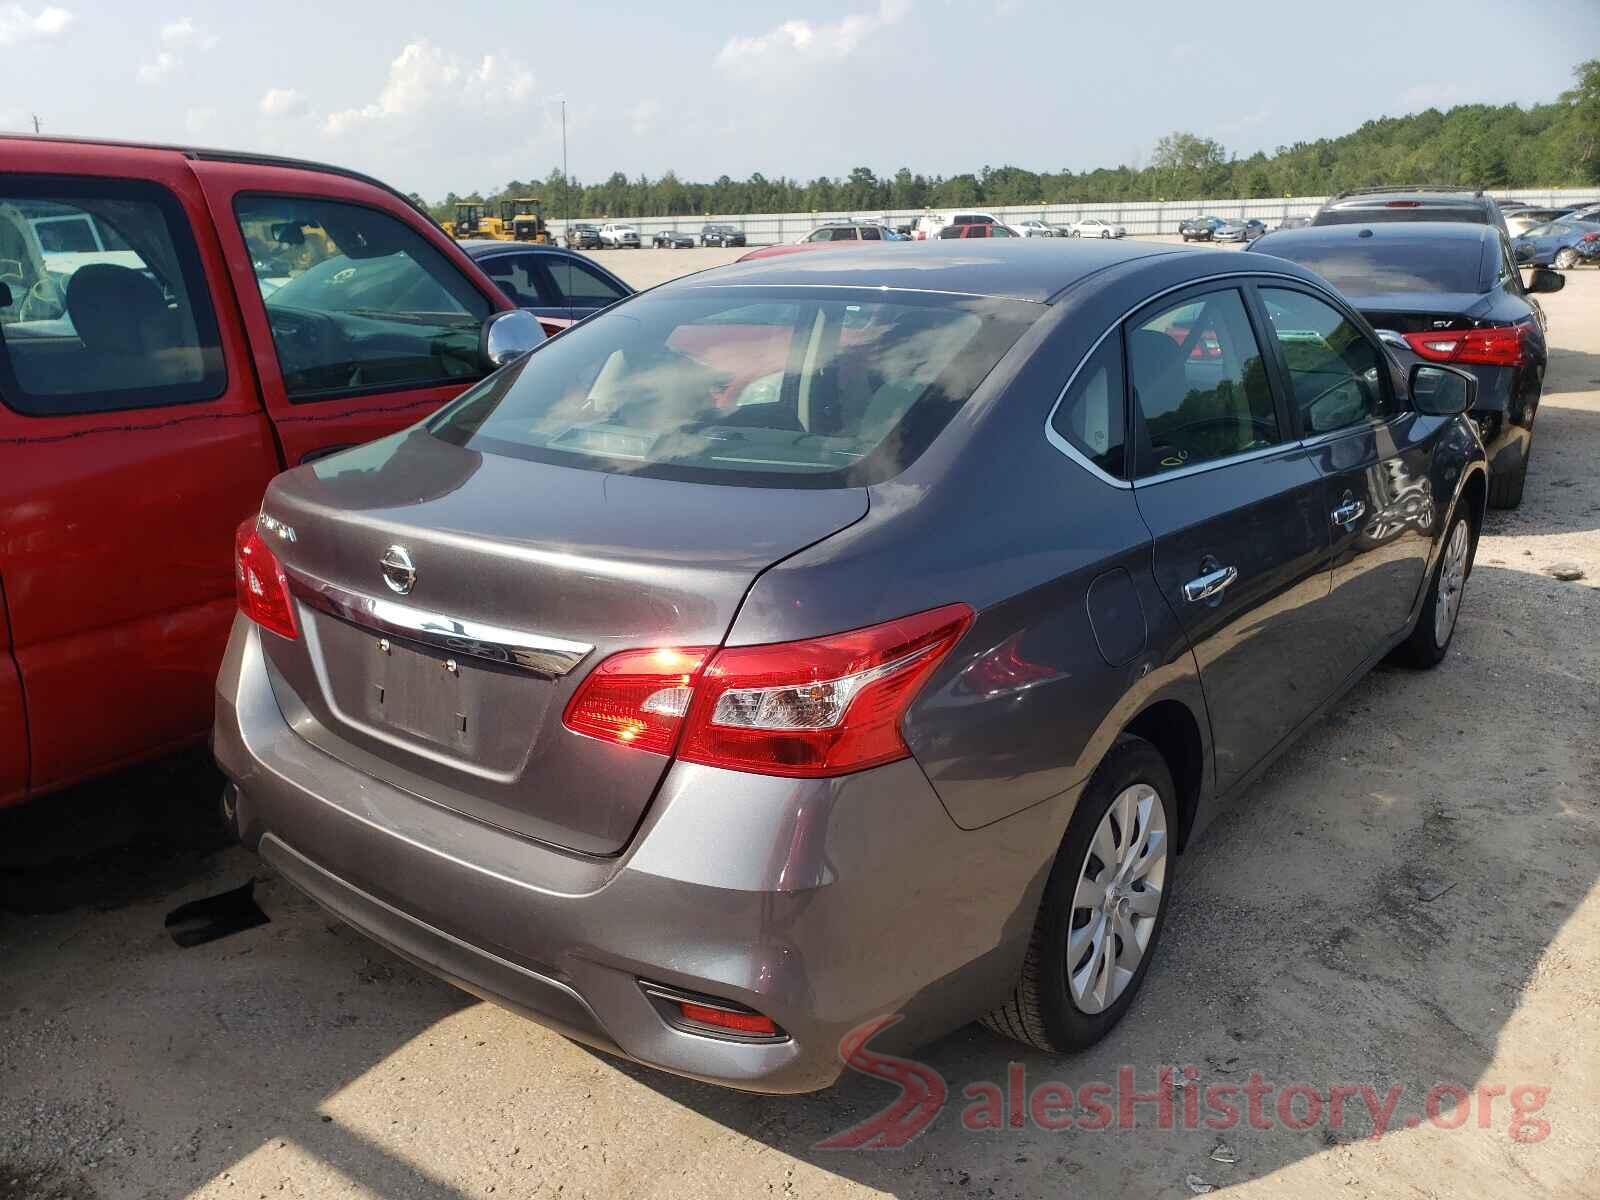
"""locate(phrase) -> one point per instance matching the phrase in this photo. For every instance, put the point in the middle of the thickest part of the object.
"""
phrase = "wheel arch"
(1174, 730)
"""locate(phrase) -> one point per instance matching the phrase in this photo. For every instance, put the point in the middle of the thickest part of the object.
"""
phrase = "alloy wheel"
(1118, 897)
(1452, 579)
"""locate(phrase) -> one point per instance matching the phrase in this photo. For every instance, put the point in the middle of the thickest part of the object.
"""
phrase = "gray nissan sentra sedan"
(838, 636)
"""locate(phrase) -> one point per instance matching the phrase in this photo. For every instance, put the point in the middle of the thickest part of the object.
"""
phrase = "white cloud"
(282, 102)
(17, 24)
(158, 68)
(183, 34)
(177, 39)
(644, 117)
(425, 81)
(800, 42)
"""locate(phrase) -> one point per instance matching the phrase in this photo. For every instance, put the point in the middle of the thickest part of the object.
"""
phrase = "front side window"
(871, 233)
(358, 300)
(1336, 376)
(755, 386)
(1090, 416)
(103, 302)
(1201, 384)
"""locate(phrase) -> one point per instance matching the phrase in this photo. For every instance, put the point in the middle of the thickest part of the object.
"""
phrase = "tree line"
(1480, 145)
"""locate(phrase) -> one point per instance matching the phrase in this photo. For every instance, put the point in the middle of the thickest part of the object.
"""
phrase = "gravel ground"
(1407, 899)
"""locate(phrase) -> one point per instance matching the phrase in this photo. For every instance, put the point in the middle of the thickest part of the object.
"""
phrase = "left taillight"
(820, 707)
(262, 587)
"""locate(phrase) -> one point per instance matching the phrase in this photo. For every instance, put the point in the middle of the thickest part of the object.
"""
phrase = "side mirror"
(1524, 251)
(1545, 280)
(507, 336)
(1442, 391)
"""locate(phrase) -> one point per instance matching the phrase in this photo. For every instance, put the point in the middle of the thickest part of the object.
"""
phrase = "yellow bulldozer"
(520, 220)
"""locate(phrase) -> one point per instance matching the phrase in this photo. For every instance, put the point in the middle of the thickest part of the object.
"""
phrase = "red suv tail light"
(259, 579)
(1494, 345)
(826, 706)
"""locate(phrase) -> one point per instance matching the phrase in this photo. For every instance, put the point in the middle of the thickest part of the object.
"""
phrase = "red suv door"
(363, 317)
(132, 442)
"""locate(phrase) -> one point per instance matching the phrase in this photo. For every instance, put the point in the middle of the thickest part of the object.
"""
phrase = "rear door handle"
(1350, 511)
(1212, 583)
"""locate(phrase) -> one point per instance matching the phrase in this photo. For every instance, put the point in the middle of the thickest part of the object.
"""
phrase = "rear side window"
(1091, 416)
(1200, 383)
(754, 386)
(103, 302)
(518, 277)
(580, 283)
(357, 300)
(1377, 265)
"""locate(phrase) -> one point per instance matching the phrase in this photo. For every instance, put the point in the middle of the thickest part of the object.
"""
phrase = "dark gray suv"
(831, 637)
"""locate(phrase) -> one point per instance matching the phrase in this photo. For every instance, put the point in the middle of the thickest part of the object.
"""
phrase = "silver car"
(804, 643)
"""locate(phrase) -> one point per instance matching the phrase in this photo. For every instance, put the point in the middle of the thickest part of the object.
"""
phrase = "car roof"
(1020, 269)
(481, 247)
(1441, 197)
(245, 157)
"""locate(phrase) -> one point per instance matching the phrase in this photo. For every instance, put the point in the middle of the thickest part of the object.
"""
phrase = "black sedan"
(556, 285)
(721, 235)
(1447, 292)
(672, 239)
(1200, 229)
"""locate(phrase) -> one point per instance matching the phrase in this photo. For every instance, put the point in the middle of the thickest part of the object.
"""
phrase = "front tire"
(1566, 258)
(1103, 909)
(1436, 623)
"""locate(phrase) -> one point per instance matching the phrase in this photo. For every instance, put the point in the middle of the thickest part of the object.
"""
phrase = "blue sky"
(458, 94)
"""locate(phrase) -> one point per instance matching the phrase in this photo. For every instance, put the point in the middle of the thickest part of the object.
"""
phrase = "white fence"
(1139, 217)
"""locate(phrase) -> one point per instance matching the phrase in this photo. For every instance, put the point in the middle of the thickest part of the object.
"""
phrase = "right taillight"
(1492, 345)
(260, 582)
(824, 706)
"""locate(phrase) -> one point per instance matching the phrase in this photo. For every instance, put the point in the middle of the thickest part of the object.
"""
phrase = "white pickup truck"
(616, 235)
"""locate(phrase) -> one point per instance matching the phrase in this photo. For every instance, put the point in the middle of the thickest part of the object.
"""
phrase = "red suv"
(177, 326)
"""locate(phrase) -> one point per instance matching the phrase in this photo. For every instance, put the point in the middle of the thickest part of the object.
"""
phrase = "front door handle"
(1350, 511)
(1212, 583)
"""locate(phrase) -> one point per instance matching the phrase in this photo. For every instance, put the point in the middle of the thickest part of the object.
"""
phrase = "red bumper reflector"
(752, 1024)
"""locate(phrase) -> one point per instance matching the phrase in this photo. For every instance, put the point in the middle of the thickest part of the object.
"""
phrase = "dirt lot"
(1407, 900)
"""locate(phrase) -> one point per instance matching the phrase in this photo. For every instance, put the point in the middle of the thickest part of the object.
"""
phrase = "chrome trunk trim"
(533, 652)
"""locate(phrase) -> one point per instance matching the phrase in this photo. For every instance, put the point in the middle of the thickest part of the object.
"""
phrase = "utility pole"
(566, 179)
(36, 122)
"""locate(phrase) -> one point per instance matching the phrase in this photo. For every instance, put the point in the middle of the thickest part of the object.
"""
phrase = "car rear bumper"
(820, 903)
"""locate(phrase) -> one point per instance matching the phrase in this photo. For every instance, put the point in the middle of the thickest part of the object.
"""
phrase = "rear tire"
(1436, 623)
(1505, 487)
(1045, 1010)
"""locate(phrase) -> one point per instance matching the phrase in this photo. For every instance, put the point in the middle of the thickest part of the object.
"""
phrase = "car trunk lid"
(450, 602)
(1422, 312)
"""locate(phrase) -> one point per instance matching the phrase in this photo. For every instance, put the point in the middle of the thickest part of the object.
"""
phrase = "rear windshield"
(1372, 266)
(1370, 214)
(814, 387)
